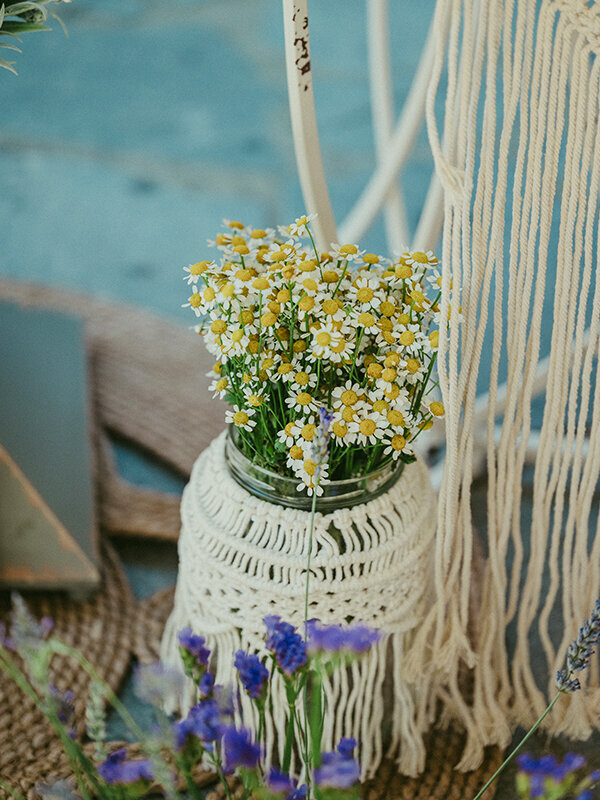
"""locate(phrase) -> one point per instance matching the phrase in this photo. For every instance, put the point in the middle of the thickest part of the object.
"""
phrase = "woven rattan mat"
(147, 383)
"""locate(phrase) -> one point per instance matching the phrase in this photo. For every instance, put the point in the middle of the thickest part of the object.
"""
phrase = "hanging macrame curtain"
(517, 149)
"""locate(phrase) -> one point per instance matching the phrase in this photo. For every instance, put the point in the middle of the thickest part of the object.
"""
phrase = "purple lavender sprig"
(579, 652)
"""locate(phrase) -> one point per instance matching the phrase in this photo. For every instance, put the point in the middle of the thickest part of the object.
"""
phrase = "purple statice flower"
(206, 684)
(280, 783)
(193, 654)
(579, 652)
(26, 633)
(63, 705)
(116, 769)
(539, 771)
(252, 672)
(286, 644)
(239, 750)
(339, 769)
(337, 638)
(154, 682)
(320, 442)
(204, 722)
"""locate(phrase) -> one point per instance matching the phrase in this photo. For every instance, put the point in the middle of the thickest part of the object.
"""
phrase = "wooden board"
(44, 429)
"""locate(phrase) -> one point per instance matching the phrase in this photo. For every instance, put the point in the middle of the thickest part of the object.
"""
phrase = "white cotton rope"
(517, 153)
(241, 558)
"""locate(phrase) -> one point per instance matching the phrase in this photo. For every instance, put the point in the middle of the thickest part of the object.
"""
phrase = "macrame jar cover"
(241, 558)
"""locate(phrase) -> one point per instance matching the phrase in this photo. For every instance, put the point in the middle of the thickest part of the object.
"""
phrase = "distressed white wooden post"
(304, 121)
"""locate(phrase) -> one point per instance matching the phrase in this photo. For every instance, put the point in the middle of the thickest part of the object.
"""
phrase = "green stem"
(518, 747)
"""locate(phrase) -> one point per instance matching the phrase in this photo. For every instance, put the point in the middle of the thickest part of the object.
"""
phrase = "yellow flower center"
(255, 400)
(308, 432)
(367, 426)
(258, 234)
(420, 256)
(330, 276)
(223, 239)
(437, 409)
(299, 346)
(370, 258)
(392, 360)
(302, 378)
(339, 347)
(268, 319)
(260, 283)
(218, 326)
(307, 266)
(217, 368)
(306, 303)
(434, 339)
(398, 442)
(243, 274)
(228, 290)
(278, 255)
(323, 338)
(296, 452)
(196, 300)
(374, 370)
(349, 249)
(253, 346)
(288, 428)
(241, 249)
(412, 365)
(235, 224)
(365, 295)
(221, 384)
(246, 317)
(237, 336)
(366, 319)
(274, 306)
(403, 271)
(389, 374)
(407, 338)
(310, 467)
(330, 307)
(392, 391)
(284, 369)
(387, 308)
(340, 429)
(240, 418)
(283, 295)
(349, 397)
(379, 406)
(199, 268)
(348, 414)
(304, 398)
(310, 284)
(395, 418)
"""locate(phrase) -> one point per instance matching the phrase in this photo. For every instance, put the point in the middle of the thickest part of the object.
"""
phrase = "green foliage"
(24, 17)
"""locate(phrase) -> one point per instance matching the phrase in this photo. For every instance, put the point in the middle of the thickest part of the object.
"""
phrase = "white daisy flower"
(410, 338)
(288, 435)
(345, 252)
(219, 386)
(196, 270)
(234, 342)
(350, 395)
(323, 339)
(366, 293)
(312, 476)
(296, 456)
(298, 228)
(241, 417)
(303, 380)
(195, 302)
(302, 402)
(368, 429)
(396, 444)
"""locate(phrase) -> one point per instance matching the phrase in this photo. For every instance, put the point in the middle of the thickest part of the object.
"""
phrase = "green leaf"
(11, 26)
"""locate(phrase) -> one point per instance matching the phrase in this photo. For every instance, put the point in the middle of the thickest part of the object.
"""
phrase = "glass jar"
(281, 489)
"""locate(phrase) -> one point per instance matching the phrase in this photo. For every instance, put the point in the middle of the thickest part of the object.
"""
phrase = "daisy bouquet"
(297, 333)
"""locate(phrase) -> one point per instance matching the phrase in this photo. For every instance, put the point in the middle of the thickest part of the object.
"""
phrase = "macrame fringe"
(242, 558)
(518, 156)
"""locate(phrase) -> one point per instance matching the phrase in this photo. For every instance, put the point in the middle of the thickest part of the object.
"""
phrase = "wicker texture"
(142, 390)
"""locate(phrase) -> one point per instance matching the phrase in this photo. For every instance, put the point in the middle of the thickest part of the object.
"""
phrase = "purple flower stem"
(518, 747)
(218, 762)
